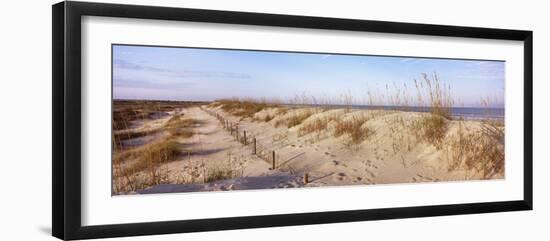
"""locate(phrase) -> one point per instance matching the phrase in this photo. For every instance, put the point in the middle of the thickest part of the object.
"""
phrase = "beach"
(301, 147)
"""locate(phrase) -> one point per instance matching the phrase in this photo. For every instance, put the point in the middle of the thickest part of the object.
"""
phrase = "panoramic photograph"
(199, 120)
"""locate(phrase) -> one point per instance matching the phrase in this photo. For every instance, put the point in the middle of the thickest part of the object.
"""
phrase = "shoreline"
(482, 113)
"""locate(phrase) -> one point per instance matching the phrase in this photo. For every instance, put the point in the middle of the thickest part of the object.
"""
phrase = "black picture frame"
(66, 127)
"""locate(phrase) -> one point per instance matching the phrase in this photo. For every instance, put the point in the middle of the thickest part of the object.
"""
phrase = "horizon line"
(404, 106)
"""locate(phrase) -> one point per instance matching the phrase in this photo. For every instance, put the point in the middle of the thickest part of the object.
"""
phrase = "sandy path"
(212, 146)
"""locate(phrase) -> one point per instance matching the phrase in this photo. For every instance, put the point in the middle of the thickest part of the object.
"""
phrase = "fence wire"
(264, 147)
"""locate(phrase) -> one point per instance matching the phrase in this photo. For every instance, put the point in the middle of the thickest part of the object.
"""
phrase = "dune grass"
(243, 108)
(180, 127)
(140, 167)
(219, 173)
(145, 160)
(268, 118)
(354, 128)
(431, 128)
(481, 150)
(317, 125)
(295, 118)
(154, 154)
(434, 94)
(127, 135)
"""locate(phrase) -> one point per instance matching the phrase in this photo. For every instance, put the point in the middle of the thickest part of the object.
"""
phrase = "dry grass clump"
(127, 111)
(219, 173)
(431, 128)
(354, 128)
(229, 169)
(163, 150)
(268, 118)
(281, 111)
(295, 119)
(243, 108)
(177, 126)
(316, 125)
(140, 167)
(298, 118)
(126, 135)
(263, 117)
(439, 98)
(481, 150)
(154, 154)
(123, 117)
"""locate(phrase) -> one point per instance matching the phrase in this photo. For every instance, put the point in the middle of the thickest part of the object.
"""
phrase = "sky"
(195, 74)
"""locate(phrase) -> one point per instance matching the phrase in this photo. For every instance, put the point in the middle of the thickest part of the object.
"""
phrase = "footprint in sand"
(421, 178)
(370, 173)
(335, 162)
(339, 177)
(368, 163)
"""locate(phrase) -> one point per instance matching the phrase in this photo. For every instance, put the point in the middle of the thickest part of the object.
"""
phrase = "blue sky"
(164, 73)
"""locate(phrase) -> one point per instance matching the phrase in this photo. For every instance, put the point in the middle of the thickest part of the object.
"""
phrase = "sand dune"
(388, 150)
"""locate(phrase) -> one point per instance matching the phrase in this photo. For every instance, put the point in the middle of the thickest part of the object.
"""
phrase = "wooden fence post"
(231, 127)
(244, 138)
(237, 132)
(254, 146)
(273, 160)
(306, 178)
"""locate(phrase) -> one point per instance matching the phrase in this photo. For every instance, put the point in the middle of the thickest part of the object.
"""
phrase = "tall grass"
(180, 127)
(481, 150)
(354, 128)
(140, 167)
(317, 125)
(244, 108)
(295, 118)
(231, 168)
(439, 95)
(433, 94)
(431, 128)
